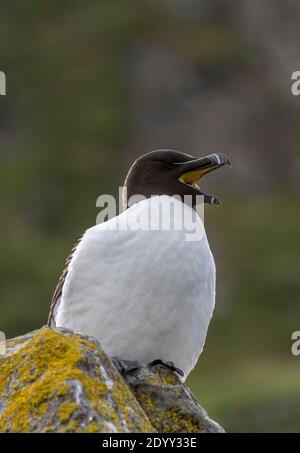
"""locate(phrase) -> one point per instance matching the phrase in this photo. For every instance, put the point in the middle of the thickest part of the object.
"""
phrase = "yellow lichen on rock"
(55, 381)
(66, 410)
(168, 403)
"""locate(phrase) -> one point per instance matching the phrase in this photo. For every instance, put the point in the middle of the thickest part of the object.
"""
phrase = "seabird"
(147, 295)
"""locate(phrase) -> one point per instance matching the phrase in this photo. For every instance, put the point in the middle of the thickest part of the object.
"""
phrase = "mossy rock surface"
(169, 404)
(53, 380)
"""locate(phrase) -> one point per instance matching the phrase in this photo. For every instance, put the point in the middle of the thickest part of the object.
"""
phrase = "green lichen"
(36, 387)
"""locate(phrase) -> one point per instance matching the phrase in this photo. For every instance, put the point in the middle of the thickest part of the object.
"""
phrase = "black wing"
(58, 290)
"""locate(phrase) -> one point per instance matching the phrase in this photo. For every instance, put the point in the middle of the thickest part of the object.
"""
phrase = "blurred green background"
(92, 85)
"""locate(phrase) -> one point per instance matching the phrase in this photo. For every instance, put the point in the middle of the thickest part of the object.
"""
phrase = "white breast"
(143, 294)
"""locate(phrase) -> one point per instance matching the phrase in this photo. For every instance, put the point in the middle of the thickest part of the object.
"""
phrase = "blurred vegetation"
(247, 377)
(67, 134)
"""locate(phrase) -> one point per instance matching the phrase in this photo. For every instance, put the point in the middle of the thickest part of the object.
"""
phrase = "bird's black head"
(168, 172)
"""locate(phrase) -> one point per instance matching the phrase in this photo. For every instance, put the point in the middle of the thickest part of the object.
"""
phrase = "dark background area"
(91, 86)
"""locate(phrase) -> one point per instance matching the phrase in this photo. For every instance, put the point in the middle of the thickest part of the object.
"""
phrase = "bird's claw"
(124, 366)
(169, 365)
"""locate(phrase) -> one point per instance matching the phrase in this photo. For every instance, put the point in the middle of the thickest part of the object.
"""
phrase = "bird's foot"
(124, 366)
(169, 365)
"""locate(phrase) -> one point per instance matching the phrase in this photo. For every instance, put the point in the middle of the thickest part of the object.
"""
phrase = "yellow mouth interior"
(192, 177)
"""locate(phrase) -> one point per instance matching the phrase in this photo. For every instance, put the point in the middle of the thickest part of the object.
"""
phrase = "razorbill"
(146, 294)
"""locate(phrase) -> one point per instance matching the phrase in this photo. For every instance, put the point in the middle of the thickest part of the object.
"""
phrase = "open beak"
(192, 171)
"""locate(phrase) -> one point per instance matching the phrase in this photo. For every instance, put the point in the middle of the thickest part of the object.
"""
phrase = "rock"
(54, 380)
(168, 403)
